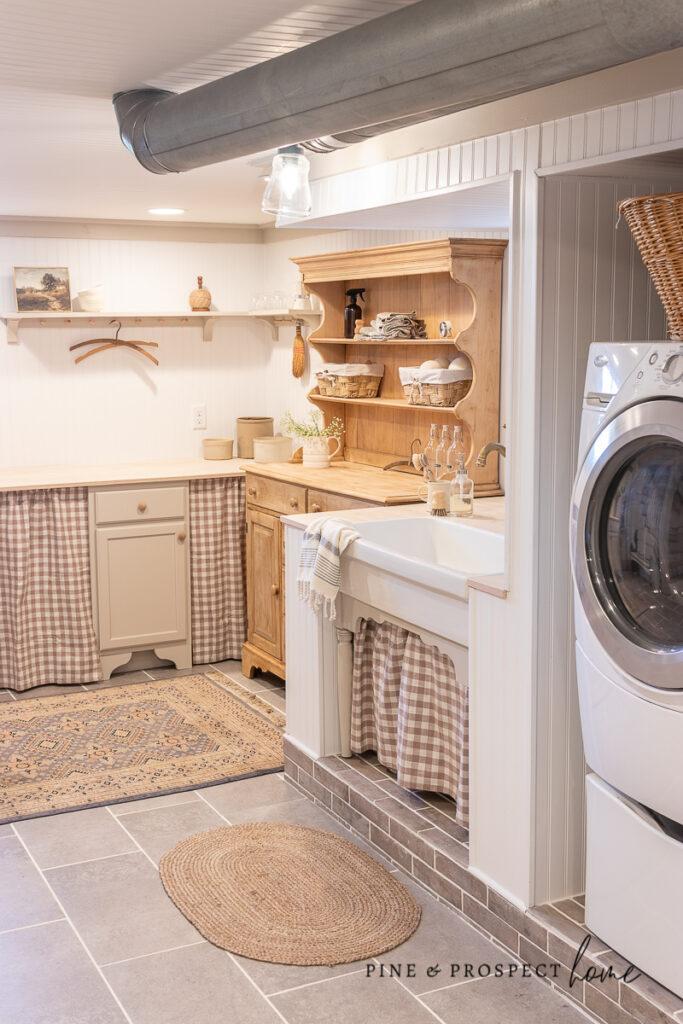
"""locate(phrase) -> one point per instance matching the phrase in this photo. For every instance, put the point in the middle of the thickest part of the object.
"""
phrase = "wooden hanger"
(102, 344)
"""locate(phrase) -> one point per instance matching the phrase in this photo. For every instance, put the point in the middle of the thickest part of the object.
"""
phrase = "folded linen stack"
(393, 325)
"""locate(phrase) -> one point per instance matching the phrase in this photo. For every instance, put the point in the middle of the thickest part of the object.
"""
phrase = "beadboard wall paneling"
(116, 407)
(595, 287)
(139, 275)
(623, 130)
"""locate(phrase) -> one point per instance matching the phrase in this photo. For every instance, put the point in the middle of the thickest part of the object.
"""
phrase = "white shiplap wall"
(115, 407)
(636, 128)
(594, 287)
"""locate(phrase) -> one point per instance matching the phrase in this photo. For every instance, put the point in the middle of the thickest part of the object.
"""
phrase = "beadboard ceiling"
(61, 61)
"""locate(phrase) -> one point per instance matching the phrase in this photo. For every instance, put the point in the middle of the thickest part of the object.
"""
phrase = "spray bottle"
(352, 311)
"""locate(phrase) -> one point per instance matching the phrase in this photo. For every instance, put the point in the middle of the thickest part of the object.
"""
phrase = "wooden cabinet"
(140, 555)
(325, 501)
(267, 499)
(276, 495)
(264, 594)
(455, 279)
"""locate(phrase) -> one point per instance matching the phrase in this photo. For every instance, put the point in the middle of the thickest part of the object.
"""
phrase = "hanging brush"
(298, 353)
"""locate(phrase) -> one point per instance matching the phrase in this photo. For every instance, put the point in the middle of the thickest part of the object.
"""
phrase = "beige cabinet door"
(264, 595)
(142, 579)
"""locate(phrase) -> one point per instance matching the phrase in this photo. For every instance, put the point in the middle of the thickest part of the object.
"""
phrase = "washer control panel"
(672, 370)
(663, 368)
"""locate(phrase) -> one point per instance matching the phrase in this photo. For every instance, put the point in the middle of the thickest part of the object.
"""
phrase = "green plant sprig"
(313, 426)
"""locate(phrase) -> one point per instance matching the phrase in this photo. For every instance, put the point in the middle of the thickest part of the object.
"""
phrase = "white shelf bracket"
(12, 331)
(207, 328)
(271, 324)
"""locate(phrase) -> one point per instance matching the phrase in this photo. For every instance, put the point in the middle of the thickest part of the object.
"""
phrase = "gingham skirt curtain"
(46, 620)
(411, 709)
(218, 554)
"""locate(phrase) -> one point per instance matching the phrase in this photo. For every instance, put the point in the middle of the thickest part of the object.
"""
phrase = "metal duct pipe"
(432, 58)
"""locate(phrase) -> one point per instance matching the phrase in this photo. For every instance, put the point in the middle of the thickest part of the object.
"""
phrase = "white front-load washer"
(627, 561)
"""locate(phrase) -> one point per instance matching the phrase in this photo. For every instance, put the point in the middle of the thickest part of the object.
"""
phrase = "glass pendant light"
(288, 193)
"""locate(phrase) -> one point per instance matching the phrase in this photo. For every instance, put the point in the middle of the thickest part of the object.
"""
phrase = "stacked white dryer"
(627, 555)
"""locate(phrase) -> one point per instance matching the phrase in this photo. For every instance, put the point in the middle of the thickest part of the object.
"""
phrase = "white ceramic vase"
(91, 300)
(316, 451)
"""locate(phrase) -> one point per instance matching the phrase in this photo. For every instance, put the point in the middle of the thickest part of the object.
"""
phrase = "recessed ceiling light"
(166, 211)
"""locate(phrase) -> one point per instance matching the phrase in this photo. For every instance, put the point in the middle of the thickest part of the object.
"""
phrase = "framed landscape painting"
(42, 288)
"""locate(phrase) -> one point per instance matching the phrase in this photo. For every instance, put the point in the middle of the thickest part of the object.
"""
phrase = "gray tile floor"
(88, 936)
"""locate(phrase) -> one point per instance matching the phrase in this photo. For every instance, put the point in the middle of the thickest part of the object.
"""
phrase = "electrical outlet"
(199, 417)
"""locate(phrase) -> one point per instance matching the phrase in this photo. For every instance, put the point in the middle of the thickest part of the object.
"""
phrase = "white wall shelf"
(280, 317)
(41, 318)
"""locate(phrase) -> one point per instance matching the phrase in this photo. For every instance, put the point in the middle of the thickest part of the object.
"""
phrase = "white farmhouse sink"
(437, 553)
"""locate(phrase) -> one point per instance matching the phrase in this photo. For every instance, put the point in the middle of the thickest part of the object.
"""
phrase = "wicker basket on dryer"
(656, 223)
(441, 388)
(350, 380)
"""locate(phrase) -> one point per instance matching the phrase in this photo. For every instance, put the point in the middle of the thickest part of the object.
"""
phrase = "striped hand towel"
(319, 577)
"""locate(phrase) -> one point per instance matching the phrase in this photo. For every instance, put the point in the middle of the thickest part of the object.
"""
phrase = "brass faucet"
(415, 446)
(492, 446)
(399, 462)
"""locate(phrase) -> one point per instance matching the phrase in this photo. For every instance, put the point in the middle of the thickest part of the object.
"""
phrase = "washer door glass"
(634, 542)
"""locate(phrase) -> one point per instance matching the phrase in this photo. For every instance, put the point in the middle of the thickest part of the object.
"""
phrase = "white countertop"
(38, 477)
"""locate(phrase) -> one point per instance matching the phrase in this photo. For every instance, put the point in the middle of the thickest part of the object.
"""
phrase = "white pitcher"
(316, 451)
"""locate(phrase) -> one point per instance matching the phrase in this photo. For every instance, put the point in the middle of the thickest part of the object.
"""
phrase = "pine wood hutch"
(447, 279)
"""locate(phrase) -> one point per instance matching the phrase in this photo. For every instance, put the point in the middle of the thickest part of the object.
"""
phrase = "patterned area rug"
(104, 746)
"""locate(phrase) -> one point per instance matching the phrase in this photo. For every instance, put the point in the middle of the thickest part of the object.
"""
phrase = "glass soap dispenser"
(462, 491)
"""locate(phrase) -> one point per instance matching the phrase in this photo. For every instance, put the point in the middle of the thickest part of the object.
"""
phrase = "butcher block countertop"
(352, 479)
(38, 477)
(366, 483)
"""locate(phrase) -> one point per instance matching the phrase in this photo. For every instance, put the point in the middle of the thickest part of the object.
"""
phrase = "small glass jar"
(462, 492)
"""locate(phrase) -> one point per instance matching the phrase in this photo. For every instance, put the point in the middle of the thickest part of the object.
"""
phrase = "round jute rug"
(288, 894)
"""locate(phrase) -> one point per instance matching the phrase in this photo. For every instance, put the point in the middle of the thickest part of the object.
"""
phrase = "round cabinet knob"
(315, 507)
(294, 503)
(182, 537)
(275, 590)
(142, 506)
(251, 491)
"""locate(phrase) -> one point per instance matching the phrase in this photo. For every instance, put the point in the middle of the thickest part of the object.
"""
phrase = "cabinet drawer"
(289, 499)
(140, 504)
(323, 501)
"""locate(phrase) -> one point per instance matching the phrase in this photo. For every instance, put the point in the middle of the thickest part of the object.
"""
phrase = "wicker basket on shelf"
(656, 223)
(350, 380)
(435, 387)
